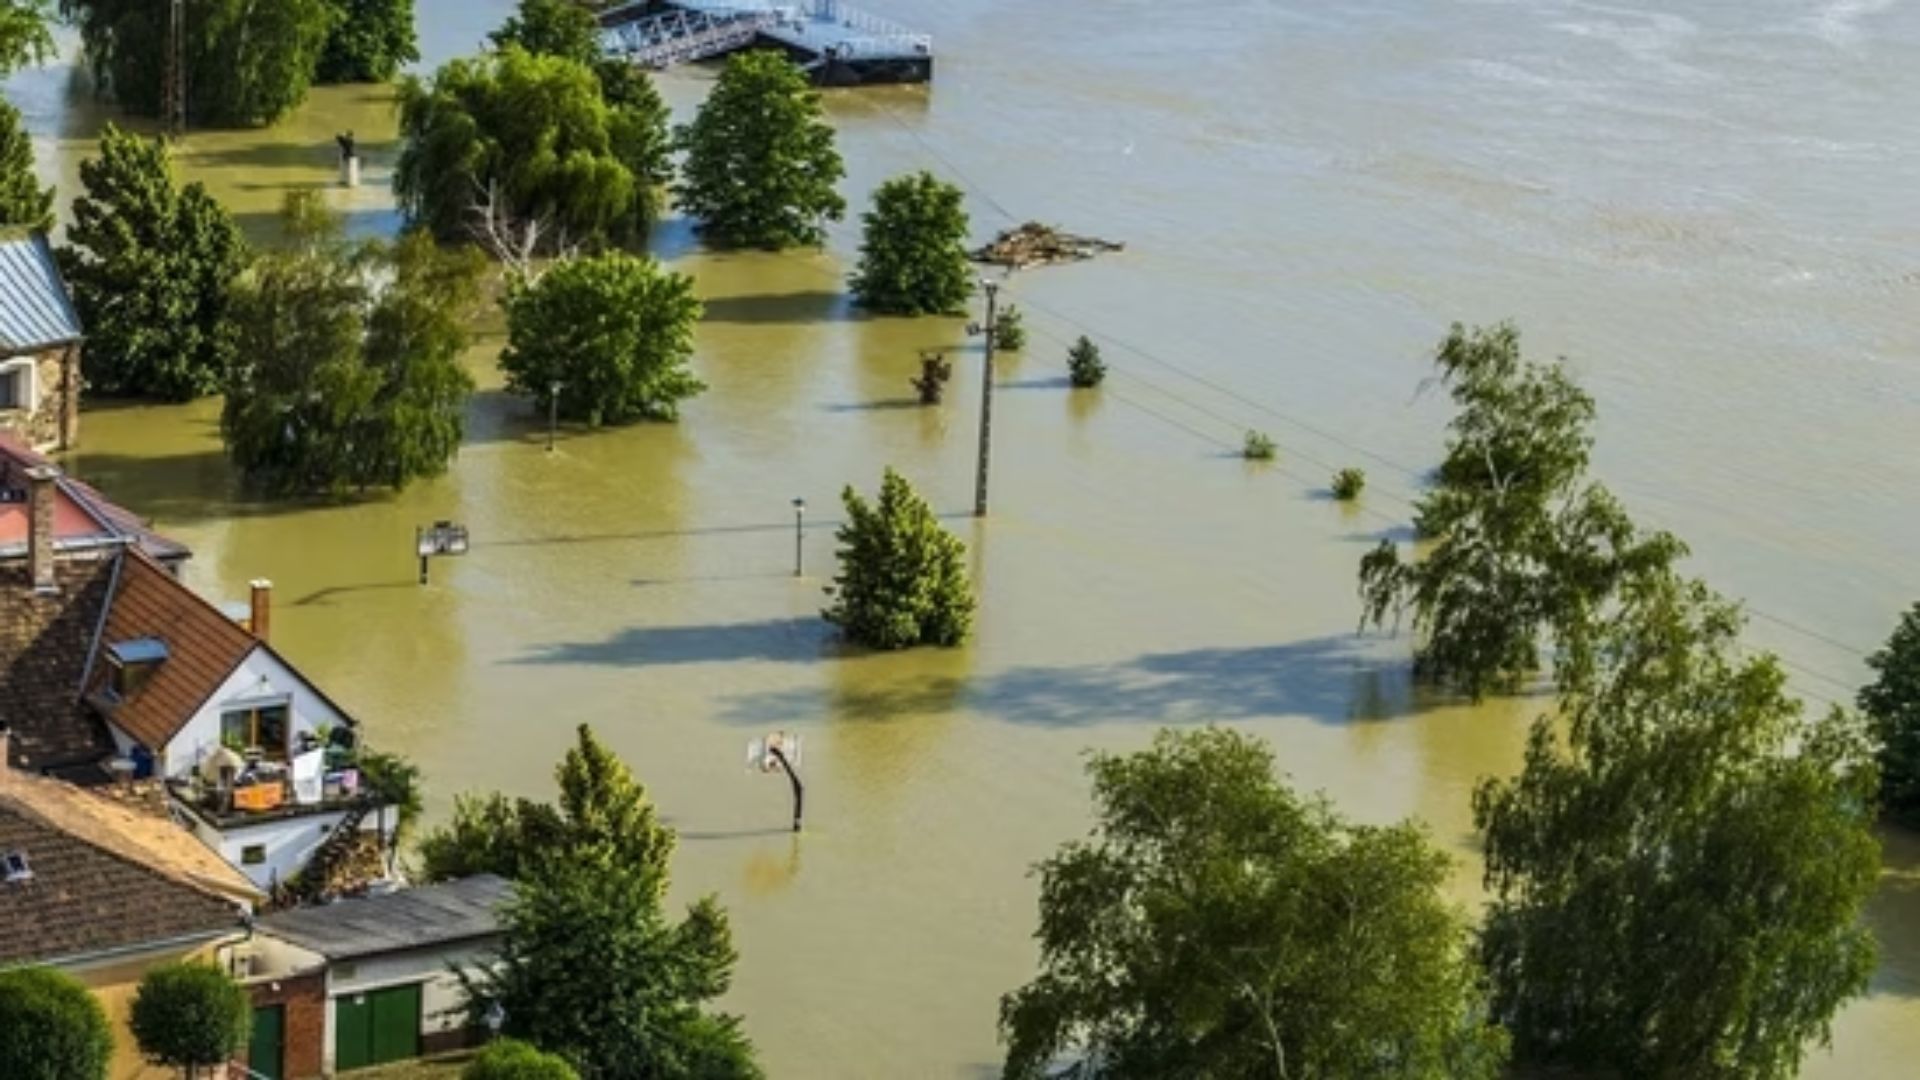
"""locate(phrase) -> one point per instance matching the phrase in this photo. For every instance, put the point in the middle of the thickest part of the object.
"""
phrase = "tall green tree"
(152, 268)
(248, 63)
(1892, 704)
(348, 373)
(23, 202)
(528, 154)
(24, 37)
(602, 814)
(761, 165)
(190, 1015)
(1679, 868)
(613, 331)
(913, 260)
(369, 41)
(1217, 925)
(55, 1029)
(903, 578)
(592, 870)
(562, 28)
(1524, 547)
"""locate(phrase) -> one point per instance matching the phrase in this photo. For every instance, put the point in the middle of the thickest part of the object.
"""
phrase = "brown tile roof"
(45, 642)
(203, 648)
(135, 828)
(84, 900)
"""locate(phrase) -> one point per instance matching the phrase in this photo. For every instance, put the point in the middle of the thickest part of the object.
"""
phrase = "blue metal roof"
(35, 311)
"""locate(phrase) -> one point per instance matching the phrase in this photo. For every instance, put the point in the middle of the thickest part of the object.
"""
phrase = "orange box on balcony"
(259, 797)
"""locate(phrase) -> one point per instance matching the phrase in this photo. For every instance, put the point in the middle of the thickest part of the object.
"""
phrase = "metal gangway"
(698, 29)
(683, 35)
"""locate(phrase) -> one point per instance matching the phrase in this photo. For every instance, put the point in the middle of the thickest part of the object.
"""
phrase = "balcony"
(231, 790)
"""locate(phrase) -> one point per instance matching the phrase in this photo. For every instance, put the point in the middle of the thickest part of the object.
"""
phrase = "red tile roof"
(82, 517)
(203, 648)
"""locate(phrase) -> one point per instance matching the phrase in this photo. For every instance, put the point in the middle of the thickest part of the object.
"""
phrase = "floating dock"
(838, 45)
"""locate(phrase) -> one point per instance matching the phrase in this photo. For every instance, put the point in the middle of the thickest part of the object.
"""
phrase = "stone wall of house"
(303, 1032)
(55, 421)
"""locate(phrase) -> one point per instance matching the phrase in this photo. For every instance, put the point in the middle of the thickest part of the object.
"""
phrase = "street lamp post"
(553, 411)
(799, 543)
(986, 402)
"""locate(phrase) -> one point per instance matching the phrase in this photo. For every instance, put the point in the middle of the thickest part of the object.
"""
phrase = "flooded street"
(1711, 208)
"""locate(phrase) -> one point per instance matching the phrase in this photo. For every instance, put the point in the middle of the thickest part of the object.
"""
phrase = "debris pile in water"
(1034, 244)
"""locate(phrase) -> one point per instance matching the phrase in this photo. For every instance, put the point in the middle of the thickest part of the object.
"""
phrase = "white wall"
(440, 994)
(260, 678)
(290, 842)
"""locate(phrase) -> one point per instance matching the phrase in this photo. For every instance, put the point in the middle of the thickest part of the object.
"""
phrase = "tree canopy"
(152, 269)
(190, 1015)
(614, 331)
(499, 145)
(593, 869)
(511, 1059)
(1892, 703)
(55, 1028)
(761, 166)
(369, 41)
(247, 63)
(1217, 925)
(1677, 878)
(913, 260)
(348, 373)
(1523, 546)
(24, 37)
(903, 578)
(563, 28)
(23, 202)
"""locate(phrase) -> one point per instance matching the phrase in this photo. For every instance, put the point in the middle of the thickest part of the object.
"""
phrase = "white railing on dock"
(697, 29)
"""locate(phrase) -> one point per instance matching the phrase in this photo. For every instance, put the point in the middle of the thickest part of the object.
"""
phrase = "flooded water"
(1709, 206)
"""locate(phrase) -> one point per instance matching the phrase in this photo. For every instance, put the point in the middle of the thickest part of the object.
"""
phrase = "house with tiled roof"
(40, 336)
(105, 894)
(111, 667)
(83, 519)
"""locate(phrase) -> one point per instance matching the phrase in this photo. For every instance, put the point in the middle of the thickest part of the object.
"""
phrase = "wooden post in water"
(986, 405)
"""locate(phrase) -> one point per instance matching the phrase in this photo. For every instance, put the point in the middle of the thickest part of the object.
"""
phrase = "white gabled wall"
(259, 678)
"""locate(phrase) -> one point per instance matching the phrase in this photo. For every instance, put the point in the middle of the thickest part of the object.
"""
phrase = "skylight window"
(16, 866)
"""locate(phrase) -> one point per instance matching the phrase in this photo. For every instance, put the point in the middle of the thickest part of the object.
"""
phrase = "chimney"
(6, 753)
(260, 614)
(40, 498)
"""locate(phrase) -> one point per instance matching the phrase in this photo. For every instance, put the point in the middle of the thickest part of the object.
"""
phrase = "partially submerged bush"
(1258, 447)
(1348, 483)
(1084, 366)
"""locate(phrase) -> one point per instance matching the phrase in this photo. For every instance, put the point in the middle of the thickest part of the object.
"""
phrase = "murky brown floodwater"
(1711, 210)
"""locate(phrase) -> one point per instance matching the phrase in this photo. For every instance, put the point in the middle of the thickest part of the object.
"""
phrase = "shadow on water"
(322, 154)
(326, 596)
(1335, 680)
(1056, 382)
(189, 488)
(798, 641)
(782, 308)
(881, 405)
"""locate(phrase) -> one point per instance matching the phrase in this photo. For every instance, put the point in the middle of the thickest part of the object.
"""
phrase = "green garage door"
(376, 1027)
(264, 1054)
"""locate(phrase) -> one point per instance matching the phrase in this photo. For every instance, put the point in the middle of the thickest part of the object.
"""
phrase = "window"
(16, 867)
(253, 854)
(16, 384)
(256, 727)
(131, 662)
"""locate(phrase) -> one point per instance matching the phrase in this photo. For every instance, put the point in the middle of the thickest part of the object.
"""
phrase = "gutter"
(120, 952)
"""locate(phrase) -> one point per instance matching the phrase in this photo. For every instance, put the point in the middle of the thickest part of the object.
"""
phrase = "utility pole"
(173, 91)
(986, 403)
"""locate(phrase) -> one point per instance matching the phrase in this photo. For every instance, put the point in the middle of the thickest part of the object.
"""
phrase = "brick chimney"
(40, 499)
(260, 613)
(6, 753)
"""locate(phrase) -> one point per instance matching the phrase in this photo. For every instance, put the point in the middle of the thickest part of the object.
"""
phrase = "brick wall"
(304, 1030)
(53, 424)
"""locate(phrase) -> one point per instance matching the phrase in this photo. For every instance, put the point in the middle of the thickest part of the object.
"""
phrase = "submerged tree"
(1085, 368)
(564, 28)
(1892, 703)
(761, 164)
(23, 202)
(1523, 546)
(913, 260)
(348, 371)
(592, 869)
(247, 62)
(529, 154)
(190, 1015)
(369, 42)
(152, 269)
(903, 578)
(1216, 924)
(1678, 878)
(613, 333)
